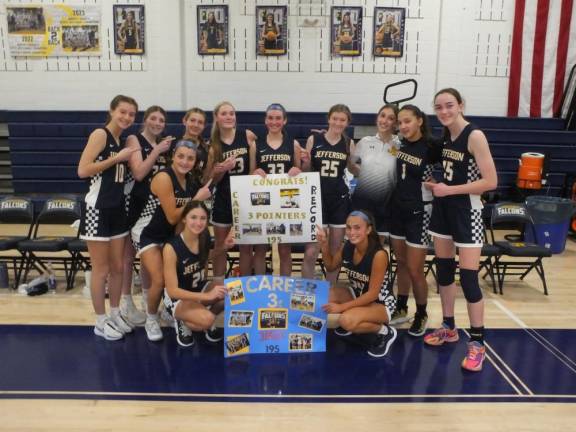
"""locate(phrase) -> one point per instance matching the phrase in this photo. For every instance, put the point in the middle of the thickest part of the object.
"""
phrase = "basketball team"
(147, 197)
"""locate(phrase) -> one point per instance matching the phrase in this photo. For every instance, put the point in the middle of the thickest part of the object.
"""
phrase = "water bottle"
(51, 277)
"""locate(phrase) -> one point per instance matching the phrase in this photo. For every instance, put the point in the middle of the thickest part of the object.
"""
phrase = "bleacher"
(45, 147)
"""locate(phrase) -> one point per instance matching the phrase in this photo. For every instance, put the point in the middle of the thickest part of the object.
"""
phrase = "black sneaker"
(383, 343)
(341, 331)
(400, 316)
(214, 335)
(418, 327)
(184, 335)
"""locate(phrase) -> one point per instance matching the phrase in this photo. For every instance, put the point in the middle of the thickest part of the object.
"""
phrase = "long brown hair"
(191, 111)
(419, 114)
(374, 242)
(118, 99)
(459, 99)
(204, 238)
(341, 108)
(215, 140)
(152, 110)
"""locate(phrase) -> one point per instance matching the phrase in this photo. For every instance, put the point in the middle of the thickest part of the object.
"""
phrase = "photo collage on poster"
(274, 314)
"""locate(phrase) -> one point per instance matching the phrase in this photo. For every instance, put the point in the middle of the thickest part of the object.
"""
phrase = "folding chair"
(233, 259)
(515, 216)
(298, 250)
(78, 261)
(50, 235)
(17, 218)
(489, 256)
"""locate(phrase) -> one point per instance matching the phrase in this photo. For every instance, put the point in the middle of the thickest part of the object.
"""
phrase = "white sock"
(152, 317)
(100, 320)
(114, 311)
(127, 298)
(383, 330)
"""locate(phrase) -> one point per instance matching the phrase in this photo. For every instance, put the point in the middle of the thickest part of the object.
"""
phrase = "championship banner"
(53, 30)
(276, 208)
(274, 314)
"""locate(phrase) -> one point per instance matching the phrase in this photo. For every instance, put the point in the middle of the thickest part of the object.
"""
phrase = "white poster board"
(276, 208)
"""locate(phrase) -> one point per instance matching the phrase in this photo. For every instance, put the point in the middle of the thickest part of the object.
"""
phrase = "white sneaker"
(153, 330)
(131, 313)
(108, 331)
(121, 324)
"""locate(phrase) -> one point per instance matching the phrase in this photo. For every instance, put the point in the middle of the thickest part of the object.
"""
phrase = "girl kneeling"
(190, 299)
(369, 302)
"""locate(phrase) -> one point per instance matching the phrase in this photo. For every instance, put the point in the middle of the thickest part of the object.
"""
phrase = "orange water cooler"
(530, 171)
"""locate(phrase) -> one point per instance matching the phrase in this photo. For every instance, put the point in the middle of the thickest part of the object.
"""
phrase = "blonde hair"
(215, 140)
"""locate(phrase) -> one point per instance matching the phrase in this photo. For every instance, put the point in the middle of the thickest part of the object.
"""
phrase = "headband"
(362, 215)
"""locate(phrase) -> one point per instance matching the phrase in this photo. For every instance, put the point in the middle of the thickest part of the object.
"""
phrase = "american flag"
(543, 51)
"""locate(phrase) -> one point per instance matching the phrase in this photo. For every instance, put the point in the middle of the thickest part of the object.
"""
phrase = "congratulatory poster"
(276, 208)
(53, 30)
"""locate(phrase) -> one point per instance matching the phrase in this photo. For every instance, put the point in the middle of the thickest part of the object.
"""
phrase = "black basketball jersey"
(239, 149)
(141, 188)
(459, 167)
(212, 34)
(106, 188)
(190, 271)
(359, 275)
(130, 34)
(152, 223)
(414, 164)
(330, 161)
(277, 161)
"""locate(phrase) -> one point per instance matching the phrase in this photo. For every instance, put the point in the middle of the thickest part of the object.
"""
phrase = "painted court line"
(569, 363)
(491, 352)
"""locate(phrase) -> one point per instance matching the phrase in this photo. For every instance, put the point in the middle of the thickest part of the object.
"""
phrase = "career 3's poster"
(276, 208)
(274, 314)
(53, 30)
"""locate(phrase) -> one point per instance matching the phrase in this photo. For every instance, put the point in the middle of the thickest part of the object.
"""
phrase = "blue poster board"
(274, 314)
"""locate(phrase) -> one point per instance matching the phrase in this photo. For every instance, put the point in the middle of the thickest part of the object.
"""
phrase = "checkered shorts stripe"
(426, 216)
(92, 220)
(477, 226)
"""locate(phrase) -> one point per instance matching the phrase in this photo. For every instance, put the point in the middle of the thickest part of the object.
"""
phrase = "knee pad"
(470, 285)
(445, 269)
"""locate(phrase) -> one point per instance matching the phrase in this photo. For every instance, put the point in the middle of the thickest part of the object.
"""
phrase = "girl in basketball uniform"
(212, 32)
(365, 308)
(188, 296)
(270, 29)
(346, 33)
(411, 209)
(194, 122)
(129, 32)
(149, 158)
(228, 156)
(276, 153)
(170, 190)
(374, 165)
(103, 223)
(468, 171)
(327, 153)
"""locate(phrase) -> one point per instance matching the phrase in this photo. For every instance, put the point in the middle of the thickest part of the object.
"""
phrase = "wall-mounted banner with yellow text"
(274, 314)
(49, 30)
(276, 208)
